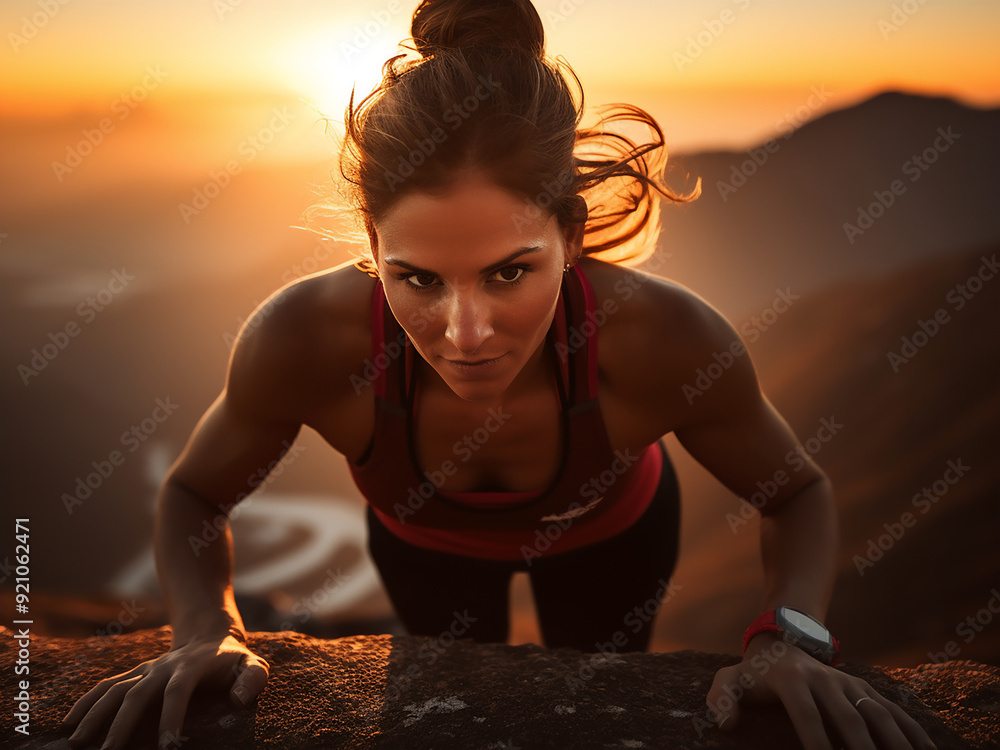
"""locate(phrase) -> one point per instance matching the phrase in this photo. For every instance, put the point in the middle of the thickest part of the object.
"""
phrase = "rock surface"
(407, 692)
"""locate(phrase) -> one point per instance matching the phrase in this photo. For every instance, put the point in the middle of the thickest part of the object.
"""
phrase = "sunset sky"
(717, 72)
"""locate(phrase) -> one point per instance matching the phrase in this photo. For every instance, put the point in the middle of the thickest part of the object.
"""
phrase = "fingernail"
(725, 718)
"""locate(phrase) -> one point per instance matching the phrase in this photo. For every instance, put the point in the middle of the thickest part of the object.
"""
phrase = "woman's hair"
(484, 96)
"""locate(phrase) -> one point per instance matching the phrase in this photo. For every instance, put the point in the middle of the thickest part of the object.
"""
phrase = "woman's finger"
(133, 705)
(805, 716)
(864, 719)
(99, 713)
(122, 700)
(853, 724)
(914, 733)
(82, 706)
(880, 723)
(724, 696)
(250, 681)
(176, 697)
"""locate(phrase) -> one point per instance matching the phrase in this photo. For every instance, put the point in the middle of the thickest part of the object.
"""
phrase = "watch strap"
(767, 623)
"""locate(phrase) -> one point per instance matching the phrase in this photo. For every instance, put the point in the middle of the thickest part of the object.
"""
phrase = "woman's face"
(473, 275)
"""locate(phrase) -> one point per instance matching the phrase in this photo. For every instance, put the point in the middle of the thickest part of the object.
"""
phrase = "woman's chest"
(513, 445)
(518, 445)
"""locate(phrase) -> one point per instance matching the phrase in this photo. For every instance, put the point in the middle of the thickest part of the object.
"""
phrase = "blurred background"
(156, 162)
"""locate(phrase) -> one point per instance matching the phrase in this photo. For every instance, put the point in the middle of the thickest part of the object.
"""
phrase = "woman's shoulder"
(335, 300)
(654, 336)
(306, 337)
(639, 304)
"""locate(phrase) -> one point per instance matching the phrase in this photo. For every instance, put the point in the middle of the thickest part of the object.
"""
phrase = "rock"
(405, 692)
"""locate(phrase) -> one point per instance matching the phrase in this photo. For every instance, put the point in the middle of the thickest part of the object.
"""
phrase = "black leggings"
(604, 593)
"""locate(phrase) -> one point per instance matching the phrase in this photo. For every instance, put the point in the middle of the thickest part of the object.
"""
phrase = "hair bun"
(465, 24)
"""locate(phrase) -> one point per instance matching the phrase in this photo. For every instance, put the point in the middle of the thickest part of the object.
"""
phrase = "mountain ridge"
(771, 218)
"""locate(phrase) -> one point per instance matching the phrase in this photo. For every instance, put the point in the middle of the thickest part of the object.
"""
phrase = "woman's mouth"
(469, 366)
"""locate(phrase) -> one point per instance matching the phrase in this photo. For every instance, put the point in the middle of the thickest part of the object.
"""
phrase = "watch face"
(804, 623)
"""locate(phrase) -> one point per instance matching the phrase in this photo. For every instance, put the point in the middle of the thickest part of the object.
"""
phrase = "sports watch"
(797, 629)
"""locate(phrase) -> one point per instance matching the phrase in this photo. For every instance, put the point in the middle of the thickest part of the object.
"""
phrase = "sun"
(326, 66)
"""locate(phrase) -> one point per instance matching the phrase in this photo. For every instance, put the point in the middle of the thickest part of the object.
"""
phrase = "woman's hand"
(224, 662)
(811, 692)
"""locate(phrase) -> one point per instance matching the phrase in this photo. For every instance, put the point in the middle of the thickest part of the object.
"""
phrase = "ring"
(859, 701)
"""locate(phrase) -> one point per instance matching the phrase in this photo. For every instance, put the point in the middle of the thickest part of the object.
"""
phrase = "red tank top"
(596, 494)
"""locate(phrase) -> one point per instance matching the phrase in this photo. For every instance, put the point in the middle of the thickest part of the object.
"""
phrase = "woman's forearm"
(194, 561)
(799, 550)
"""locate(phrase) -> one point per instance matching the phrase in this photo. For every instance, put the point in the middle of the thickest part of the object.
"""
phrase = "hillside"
(774, 216)
(827, 357)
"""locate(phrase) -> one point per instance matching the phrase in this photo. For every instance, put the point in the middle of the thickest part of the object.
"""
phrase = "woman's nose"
(469, 319)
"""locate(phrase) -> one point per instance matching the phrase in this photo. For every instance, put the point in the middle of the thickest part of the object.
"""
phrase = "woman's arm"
(744, 444)
(197, 586)
(193, 548)
(230, 453)
(735, 432)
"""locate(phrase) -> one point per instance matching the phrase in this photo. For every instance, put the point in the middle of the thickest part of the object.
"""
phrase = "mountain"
(911, 454)
(775, 215)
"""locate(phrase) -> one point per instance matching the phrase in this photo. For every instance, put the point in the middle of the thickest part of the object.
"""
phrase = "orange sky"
(718, 72)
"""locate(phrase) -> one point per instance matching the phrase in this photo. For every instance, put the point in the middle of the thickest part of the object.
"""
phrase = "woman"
(499, 389)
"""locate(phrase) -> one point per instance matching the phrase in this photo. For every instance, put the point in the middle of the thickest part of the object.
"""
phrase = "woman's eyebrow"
(489, 269)
(510, 258)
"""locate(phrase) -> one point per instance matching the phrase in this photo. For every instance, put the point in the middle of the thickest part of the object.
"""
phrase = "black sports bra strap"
(388, 357)
(578, 335)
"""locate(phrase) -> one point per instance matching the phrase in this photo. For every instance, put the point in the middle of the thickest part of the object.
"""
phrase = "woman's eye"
(510, 274)
(420, 280)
